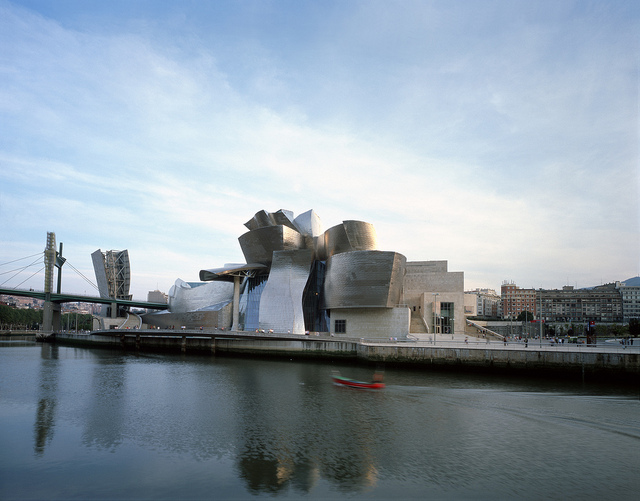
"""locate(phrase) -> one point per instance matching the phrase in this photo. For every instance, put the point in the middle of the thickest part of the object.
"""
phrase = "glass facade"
(446, 317)
(315, 313)
(250, 293)
(316, 318)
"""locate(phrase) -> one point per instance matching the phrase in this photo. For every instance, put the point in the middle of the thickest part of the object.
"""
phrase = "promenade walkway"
(462, 341)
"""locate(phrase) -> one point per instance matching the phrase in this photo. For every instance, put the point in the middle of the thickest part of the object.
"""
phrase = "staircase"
(478, 330)
(418, 325)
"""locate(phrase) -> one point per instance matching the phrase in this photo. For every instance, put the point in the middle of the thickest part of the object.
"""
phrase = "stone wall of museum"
(372, 323)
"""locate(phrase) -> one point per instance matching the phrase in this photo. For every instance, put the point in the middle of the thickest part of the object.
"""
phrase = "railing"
(484, 330)
(531, 345)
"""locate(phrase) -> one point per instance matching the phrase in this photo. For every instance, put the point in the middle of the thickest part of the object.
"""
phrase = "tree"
(19, 318)
(84, 321)
(634, 327)
(525, 315)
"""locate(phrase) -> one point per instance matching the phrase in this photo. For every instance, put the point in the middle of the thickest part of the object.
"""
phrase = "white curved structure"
(281, 300)
(190, 296)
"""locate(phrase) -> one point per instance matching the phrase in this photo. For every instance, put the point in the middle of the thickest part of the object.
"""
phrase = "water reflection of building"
(47, 398)
(294, 430)
(300, 278)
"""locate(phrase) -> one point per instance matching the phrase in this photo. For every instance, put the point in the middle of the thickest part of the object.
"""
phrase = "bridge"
(52, 308)
(52, 300)
(59, 298)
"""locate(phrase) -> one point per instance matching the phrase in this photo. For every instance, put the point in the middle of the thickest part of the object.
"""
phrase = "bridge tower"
(51, 316)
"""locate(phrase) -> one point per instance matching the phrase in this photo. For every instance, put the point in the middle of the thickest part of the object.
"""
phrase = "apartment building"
(482, 303)
(630, 295)
(516, 300)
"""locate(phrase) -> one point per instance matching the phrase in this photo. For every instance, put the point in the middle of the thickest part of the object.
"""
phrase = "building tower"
(113, 275)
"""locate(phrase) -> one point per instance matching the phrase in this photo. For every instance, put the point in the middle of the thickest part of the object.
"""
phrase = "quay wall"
(194, 342)
(584, 361)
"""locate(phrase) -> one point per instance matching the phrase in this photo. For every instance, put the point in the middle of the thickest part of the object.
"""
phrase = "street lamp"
(540, 318)
(435, 304)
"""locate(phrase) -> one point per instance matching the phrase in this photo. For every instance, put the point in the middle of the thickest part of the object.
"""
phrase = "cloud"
(502, 138)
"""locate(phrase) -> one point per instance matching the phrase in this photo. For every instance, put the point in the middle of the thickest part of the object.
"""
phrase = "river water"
(80, 423)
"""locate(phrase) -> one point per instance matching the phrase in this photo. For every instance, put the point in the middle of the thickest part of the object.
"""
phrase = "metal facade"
(309, 224)
(371, 279)
(298, 271)
(113, 273)
(346, 237)
(101, 273)
(259, 245)
(281, 301)
(185, 296)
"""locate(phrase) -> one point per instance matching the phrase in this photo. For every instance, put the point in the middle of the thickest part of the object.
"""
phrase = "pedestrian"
(526, 342)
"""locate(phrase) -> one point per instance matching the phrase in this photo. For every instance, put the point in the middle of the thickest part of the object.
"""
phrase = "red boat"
(376, 384)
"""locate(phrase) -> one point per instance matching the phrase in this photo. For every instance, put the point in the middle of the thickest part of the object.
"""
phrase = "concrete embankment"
(217, 343)
(583, 361)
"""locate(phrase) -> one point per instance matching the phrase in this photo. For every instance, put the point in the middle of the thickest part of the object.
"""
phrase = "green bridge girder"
(78, 298)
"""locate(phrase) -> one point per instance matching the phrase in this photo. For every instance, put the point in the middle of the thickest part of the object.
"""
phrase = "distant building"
(113, 275)
(516, 300)
(482, 303)
(21, 302)
(157, 296)
(630, 295)
(599, 304)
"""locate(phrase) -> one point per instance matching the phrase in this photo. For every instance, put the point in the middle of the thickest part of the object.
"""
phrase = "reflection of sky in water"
(126, 426)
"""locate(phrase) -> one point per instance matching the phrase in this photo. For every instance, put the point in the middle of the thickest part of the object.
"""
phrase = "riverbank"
(572, 360)
(18, 333)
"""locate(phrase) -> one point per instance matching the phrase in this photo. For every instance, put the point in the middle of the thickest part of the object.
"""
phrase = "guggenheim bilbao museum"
(299, 278)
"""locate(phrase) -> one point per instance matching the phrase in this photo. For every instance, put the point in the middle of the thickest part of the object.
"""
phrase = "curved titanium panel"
(262, 219)
(364, 279)
(258, 245)
(309, 224)
(335, 241)
(346, 237)
(185, 296)
(281, 300)
(361, 235)
(283, 217)
(259, 220)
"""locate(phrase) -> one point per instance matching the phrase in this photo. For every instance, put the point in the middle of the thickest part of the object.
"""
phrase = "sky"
(500, 136)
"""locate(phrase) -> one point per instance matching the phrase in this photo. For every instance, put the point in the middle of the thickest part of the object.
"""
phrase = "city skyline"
(501, 137)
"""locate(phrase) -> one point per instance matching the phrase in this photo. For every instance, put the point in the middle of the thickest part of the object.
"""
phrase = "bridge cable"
(41, 269)
(20, 259)
(16, 269)
(19, 270)
(85, 278)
